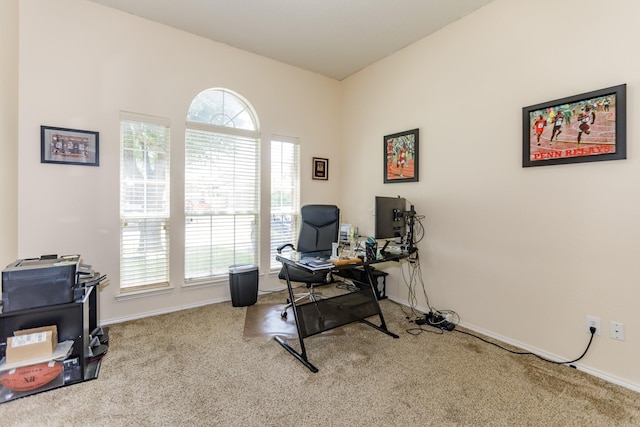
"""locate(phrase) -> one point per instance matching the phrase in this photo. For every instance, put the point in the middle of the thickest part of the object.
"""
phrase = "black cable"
(410, 279)
(413, 275)
(593, 332)
(415, 272)
(419, 329)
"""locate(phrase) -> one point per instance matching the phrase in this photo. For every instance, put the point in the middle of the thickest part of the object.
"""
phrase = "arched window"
(222, 189)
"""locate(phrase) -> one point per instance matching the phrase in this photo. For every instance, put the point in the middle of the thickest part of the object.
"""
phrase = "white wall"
(523, 254)
(8, 131)
(80, 65)
(520, 253)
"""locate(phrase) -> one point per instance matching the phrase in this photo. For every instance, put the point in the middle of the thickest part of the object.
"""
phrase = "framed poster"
(320, 168)
(588, 127)
(69, 146)
(401, 156)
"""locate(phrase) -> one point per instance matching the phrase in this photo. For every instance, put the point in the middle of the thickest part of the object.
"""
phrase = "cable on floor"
(528, 353)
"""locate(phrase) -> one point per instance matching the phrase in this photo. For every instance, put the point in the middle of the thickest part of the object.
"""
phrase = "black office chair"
(319, 229)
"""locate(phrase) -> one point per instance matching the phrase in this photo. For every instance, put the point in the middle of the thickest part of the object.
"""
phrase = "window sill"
(124, 296)
(205, 284)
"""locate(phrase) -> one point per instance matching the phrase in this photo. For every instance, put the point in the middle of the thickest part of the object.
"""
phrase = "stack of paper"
(315, 263)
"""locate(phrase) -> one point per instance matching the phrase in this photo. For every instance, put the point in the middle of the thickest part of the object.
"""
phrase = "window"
(144, 202)
(221, 185)
(285, 194)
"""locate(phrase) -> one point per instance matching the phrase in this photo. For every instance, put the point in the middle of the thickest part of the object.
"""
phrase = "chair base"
(311, 296)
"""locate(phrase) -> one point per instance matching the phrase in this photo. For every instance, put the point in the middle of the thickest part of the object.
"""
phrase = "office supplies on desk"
(315, 263)
(371, 248)
(346, 260)
(334, 250)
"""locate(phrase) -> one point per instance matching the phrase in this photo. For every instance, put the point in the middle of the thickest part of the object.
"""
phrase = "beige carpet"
(195, 368)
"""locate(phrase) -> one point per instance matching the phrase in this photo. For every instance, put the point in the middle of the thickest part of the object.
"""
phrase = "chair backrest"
(319, 228)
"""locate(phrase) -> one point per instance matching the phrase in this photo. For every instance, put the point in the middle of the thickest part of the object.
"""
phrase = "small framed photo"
(320, 168)
(589, 127)
(69, 146)
(401, 156)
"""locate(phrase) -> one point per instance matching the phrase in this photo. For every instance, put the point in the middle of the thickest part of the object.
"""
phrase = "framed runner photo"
(69, 146)
(588, 127)
(401, 156)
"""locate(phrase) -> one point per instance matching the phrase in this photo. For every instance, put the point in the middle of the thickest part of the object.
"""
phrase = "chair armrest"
(281, 247)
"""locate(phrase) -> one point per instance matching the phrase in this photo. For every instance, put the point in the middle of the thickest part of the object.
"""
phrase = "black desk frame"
(329, 313)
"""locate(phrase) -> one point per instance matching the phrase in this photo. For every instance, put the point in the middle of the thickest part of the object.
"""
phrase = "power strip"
(436, 321)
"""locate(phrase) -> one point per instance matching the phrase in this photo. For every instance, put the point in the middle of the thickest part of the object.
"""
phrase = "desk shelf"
(325, 314)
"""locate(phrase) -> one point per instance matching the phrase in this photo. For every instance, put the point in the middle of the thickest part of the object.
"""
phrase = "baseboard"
(161, 311)
(178, 308)
(580, 367)
(608, 378)
(586, 369)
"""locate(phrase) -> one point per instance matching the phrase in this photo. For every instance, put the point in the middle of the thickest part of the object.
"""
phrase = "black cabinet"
(75, 322)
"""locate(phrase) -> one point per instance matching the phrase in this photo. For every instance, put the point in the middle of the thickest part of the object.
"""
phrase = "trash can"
(243, 284)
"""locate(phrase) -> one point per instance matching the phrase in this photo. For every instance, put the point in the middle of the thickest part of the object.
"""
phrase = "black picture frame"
(592, 128)
(320, 169)
(398, 146)
(69, 146)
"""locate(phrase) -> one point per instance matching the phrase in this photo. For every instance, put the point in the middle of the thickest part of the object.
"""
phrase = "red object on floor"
(27, 378)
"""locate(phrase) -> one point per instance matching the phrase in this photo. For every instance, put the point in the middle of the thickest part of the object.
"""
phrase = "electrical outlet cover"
(616, 330)
(595, 322)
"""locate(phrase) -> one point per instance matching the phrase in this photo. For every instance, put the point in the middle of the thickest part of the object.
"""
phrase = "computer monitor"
(390, 220)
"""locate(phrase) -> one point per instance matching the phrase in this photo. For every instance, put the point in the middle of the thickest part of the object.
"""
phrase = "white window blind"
(144, 201)
(285, 194)
(221, 186)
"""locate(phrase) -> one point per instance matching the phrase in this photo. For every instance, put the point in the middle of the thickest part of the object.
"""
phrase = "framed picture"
(320, 168)
(69, 146)
(401, 156)
(583, 128)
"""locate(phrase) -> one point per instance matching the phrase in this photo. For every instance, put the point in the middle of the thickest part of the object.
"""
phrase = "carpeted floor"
(196, 368)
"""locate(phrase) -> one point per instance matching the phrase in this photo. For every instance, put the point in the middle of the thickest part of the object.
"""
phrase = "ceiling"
(335, 38)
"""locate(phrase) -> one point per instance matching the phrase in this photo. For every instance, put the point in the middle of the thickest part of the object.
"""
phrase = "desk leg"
(302, 356)
(383, 324)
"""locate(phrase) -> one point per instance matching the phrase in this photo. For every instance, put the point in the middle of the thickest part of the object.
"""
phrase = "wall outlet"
(595, 322)
(616, 330)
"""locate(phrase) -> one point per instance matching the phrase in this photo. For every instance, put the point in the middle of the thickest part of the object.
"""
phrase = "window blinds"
(285, 194)
(144, 201)
(221, 202)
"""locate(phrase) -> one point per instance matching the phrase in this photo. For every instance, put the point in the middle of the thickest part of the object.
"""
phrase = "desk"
(315, 317)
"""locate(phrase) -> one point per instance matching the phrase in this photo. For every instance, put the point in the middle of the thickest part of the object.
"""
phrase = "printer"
(38, 282)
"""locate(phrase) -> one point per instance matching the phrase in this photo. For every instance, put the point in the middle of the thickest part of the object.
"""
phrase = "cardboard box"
(29, 343)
